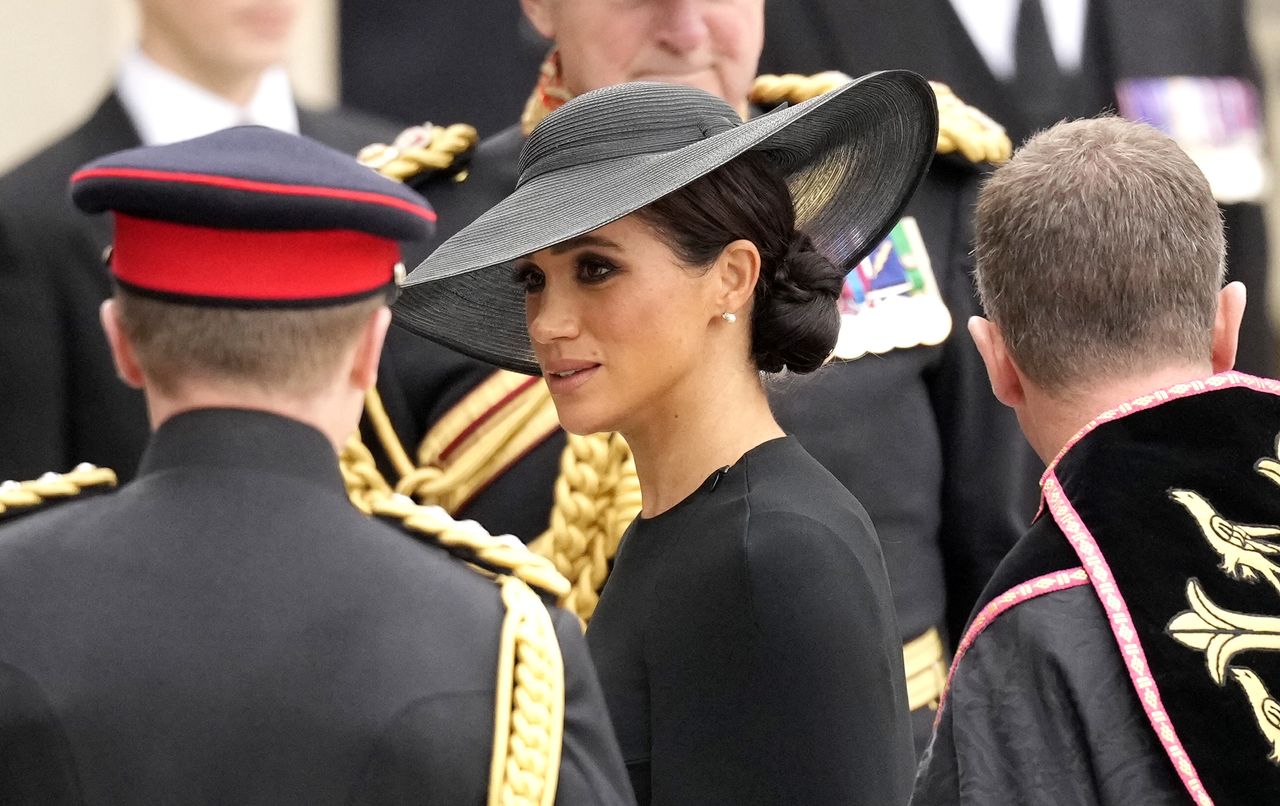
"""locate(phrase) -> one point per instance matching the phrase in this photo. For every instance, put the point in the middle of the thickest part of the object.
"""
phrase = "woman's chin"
(576, 420)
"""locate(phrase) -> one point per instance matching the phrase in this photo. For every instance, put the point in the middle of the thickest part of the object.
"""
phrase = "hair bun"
(796, 319)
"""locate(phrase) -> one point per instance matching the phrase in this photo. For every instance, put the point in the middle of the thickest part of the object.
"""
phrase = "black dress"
(747, 644)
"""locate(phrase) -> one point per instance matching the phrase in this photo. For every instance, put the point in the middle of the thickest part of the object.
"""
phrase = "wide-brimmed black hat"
(852, 158)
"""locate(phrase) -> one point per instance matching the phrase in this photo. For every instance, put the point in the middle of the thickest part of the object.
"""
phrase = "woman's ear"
(737, 271)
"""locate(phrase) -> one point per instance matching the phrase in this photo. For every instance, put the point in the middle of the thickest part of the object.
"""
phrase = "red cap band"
(251, 265)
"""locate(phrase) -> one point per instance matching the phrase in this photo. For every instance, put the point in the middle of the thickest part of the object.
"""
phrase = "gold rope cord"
(961, 128)
(597, 496)
(528, 725)
(386, 432)
(503, 552)
(21, 495)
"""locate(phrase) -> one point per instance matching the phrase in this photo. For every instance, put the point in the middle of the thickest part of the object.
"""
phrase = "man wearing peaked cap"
(227, 627)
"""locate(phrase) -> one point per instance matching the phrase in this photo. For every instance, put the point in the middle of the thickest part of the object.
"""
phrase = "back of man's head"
(252, 269)
(291, 352)
(1100, 254)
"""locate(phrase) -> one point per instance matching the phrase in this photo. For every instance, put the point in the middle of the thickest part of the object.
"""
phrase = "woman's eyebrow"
(582, 240)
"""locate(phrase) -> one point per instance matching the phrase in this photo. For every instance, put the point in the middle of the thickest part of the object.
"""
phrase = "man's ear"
(1226, 326)
(1006, 381)
(364, 365)
(539, 14)
(737, 271)
(122, 353)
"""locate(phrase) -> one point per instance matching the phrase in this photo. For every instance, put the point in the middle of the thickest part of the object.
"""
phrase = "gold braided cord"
(386, 432)
(597, 497)
(504, 553)
(508, 431)
(360, 475)
(419, 149)
(528, 724)
(23, 495)
(961, 128)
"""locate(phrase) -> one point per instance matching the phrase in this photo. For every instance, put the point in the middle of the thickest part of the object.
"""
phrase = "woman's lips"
(565, 379)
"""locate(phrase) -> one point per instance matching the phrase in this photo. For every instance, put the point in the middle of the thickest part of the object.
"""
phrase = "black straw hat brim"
(852, 157)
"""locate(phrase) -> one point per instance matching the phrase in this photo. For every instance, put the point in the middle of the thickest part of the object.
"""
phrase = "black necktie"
(1043, 91)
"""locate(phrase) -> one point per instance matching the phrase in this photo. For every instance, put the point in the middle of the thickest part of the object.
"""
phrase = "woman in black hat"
(657, 256)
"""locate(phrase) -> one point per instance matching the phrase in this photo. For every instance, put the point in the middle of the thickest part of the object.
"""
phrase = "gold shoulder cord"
(961, 128)
(529, 704)
(21, 496)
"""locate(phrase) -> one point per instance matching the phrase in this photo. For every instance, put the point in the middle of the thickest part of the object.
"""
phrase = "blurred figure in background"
(1184, 66)
(198, 67)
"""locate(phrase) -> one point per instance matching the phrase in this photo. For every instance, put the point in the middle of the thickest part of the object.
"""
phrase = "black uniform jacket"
(228, 629)
(914, 433)
(61, 401)
(1124, 39)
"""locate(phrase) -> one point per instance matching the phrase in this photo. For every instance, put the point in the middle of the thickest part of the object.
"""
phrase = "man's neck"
(335, 414)
(1050, 421)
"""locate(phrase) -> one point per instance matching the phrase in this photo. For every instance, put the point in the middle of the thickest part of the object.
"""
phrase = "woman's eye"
(530, 279)
(593, 269)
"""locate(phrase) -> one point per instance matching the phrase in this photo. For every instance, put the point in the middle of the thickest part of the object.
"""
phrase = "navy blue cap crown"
(252, 178)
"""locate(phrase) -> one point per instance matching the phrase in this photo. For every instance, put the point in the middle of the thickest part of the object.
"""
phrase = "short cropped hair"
(1099, 251)
(288, 351)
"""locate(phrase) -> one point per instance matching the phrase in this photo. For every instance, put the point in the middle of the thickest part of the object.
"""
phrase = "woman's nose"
(551, 315)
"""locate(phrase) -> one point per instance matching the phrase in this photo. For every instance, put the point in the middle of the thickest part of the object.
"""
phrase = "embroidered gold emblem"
(1244, 548)
(1249, 553)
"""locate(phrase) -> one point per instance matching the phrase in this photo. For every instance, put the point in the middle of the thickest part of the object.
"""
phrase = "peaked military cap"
(250, 216)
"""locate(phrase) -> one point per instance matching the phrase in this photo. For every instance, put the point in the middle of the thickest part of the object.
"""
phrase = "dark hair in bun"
(794, 318)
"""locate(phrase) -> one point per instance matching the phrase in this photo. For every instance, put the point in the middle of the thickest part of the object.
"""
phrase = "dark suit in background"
(228, 629)
(472, 62)
(60, 401)
(1123, 39)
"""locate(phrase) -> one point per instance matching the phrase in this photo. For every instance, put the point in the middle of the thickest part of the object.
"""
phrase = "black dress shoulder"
(747, 644)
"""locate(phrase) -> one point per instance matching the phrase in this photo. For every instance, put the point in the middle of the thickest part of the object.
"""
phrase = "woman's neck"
(679, 445)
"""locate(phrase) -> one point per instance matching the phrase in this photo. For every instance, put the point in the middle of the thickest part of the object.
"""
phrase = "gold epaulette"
(966, 130)
(962, 129)
(468, 540)
(20, 497)
(422, 151)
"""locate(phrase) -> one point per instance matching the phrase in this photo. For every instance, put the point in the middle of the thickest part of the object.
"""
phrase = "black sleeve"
(33, 390)
(1041, 710)
(591, 769)
(990, 473)
(829, 659)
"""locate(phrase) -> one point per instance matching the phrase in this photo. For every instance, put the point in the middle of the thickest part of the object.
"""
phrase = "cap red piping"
(256, 186)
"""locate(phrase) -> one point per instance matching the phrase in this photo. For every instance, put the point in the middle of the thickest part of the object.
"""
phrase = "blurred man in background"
(1184, 66)
(198, 67)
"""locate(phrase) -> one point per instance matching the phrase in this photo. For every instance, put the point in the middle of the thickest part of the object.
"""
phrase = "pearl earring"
(729, 317)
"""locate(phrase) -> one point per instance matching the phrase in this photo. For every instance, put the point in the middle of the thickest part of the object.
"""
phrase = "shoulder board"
(501, 555)
(962, 129)
(423, 152)
(22, 497)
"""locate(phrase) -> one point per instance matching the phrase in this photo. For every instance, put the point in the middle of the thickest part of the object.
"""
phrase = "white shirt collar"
(992, 25)
(166, 107)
